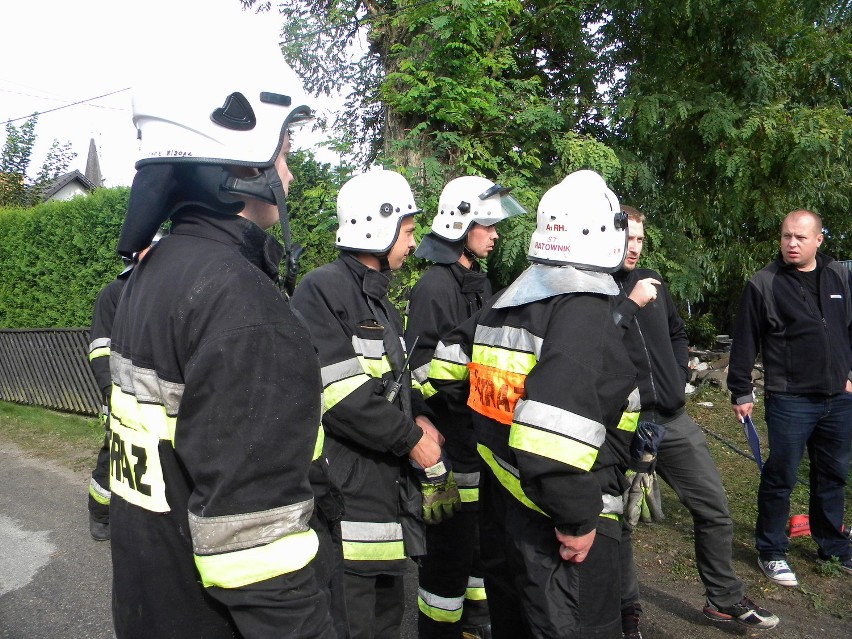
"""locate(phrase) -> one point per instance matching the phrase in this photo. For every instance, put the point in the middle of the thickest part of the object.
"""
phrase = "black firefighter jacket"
(103, 315)
(358, 335)
(215, 420)
(444, 297)
(547, 382)
(806, 346)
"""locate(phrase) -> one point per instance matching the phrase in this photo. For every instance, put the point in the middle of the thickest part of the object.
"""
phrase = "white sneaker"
(778, 571)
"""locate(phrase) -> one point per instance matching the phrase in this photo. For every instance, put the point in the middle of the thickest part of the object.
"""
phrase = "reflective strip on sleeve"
(369, 541)
(475, 590)
(449, 363)
(99, 348)
(420, 381)
(99, 494)
(243, 567)
(440, 609)
(612, 505)
(508, 476)
(341, 379)
(504, 339)
(227, 533)
(556, 434)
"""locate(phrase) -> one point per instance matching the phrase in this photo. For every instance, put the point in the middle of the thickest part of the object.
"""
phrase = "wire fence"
(48, 368)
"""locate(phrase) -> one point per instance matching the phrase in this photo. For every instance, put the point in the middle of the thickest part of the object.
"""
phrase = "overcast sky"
(56, 53)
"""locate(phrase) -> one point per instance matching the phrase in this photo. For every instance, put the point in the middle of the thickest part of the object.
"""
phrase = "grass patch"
(666, 547)
(71, 440)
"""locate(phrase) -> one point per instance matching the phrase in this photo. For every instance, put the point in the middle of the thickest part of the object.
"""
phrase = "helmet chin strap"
(468, 253)
(267, 187)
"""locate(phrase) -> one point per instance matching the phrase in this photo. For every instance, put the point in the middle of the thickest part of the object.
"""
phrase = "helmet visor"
(509, 205)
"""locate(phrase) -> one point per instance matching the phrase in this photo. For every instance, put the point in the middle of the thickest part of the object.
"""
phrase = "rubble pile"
(711, 367)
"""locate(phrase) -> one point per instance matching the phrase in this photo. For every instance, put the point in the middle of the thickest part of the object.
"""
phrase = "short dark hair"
(633, 213)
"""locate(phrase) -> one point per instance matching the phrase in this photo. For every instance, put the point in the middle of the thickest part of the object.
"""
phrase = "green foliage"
(56, 256)
(701, 330)
(17, 189)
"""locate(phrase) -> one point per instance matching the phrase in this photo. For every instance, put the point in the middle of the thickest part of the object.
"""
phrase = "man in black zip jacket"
(797, 312)
(658, 346)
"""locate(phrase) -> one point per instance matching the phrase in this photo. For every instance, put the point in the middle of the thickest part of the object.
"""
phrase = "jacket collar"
(470, 280)
(252, 242)
(374, 283)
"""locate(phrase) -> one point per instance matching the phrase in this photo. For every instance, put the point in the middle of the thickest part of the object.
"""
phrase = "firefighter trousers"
(451, 595)
(556, 599)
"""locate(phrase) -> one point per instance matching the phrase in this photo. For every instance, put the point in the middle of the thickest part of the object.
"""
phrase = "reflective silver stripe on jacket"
(145, 385)
(101, 342)
(215, 535)
(369, 348)
(509, 337)
(370, 531)
(559, 421)
(341, 370)
(452, 353)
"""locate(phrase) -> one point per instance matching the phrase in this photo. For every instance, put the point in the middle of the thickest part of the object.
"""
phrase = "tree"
(732, 114)
(16, 187)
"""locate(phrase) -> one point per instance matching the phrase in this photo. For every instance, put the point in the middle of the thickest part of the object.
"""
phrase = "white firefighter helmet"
(370, 209)
(215, 98)
(580, 223)
(470, 199)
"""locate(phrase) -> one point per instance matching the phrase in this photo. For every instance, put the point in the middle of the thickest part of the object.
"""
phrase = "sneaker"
(778, 570)
(630, 622)
(844, 564)
(745, 612)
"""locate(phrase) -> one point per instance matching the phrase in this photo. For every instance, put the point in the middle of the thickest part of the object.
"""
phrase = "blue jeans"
(823, 424)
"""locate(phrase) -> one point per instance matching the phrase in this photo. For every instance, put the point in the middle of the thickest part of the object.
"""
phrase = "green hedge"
(55, 257)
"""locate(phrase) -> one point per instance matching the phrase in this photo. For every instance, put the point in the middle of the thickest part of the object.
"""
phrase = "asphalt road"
(54, 578)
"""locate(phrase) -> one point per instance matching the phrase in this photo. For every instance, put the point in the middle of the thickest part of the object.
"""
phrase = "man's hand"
(849, 386)
(644, 291)
(744, 410)
(428, 428)
(575, 549)
(426, 452)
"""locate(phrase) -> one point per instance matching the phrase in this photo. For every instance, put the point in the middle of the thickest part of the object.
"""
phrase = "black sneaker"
(745, 612)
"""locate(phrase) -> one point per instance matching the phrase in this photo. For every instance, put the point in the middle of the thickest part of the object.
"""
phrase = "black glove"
(644, 447)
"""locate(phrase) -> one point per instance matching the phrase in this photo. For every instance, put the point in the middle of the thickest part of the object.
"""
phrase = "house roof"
(66, 179)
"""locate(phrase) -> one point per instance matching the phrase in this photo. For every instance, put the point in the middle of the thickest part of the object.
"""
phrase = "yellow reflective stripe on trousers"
(468, 485)
(99, 494)
(507, 475)
(440, 609)
(556, 433)
(628, 422)
(372, 541)
(244, 567)
(475, 590)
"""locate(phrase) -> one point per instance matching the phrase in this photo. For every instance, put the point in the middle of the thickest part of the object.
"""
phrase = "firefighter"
(545, 372)
(451, 596)
(216, 390)
(381, 446)
(103, 314)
